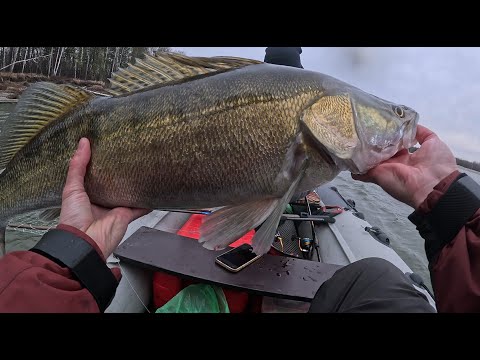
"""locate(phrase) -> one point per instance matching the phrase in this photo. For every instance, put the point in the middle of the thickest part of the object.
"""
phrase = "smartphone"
(236, 259)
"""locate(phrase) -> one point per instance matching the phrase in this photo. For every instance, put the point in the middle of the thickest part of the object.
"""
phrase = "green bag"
(197, 298)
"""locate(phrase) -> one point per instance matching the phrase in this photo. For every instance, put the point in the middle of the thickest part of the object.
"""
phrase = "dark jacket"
(29, 282)
(288, 56)
(455, 269)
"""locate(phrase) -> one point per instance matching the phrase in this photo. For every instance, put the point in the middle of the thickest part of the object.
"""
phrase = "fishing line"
(40, 230)
(124, 273)
(30, 228)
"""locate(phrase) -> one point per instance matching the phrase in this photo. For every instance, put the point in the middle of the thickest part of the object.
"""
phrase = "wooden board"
(275, 276)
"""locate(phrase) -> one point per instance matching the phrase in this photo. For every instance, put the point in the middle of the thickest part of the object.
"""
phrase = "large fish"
(185, 132)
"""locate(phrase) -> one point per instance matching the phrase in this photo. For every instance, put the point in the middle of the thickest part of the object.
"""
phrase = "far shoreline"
(12, 85)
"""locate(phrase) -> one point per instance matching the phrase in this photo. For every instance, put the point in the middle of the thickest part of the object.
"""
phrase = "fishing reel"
(306, 246)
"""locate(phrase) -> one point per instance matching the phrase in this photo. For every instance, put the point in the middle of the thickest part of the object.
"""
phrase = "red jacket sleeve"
(455, 272)
(29, 282)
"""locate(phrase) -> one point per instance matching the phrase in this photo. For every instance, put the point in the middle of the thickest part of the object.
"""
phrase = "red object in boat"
(166, 286)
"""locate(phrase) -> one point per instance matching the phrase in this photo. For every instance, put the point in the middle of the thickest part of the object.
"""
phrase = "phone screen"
(238, 256)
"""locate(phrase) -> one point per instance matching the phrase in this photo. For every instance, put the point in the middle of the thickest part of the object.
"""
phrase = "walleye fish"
(186, 133)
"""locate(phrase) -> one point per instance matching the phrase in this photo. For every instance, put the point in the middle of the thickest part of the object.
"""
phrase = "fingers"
(423, 134)
(78, 167)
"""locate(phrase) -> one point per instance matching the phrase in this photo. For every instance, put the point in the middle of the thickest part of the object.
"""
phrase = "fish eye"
(399, 111)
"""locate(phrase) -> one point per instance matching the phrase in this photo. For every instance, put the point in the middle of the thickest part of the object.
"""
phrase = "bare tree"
(19, 61)
(114, 62)
(89, 63)
(50, 62)
(58, 60)
(24, 60)
(14, 58)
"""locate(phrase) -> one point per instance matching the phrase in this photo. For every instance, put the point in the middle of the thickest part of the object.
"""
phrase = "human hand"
(409, 178)
(105, 226)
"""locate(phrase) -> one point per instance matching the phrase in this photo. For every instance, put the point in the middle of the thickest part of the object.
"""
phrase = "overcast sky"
(442, 84)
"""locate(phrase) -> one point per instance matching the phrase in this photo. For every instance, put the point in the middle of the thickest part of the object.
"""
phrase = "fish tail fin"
(38, 106)
(41, 104)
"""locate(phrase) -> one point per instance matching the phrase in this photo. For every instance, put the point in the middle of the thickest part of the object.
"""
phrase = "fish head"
(359, 130)
(383, 128)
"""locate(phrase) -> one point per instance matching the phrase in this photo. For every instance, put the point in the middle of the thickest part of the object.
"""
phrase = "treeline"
(469, 164)
(87, 63)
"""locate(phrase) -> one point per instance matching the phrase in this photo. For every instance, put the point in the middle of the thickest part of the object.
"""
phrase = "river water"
(390, 215)
(379, 208)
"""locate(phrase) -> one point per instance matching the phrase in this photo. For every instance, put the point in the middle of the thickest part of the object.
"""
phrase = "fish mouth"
(409, 129)
(407, 136)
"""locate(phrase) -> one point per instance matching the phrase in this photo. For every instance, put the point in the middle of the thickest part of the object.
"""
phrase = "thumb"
(78, 168)
(369, 176)
(423, 134)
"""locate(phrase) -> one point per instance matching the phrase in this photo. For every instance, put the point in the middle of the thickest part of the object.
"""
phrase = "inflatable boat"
(346, 239)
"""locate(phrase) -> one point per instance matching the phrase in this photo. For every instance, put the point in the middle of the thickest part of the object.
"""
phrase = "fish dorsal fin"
(167, 67)
(39, 105)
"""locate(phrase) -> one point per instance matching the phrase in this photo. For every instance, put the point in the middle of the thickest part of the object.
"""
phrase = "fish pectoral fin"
(228, 224)
(39, 105)
(167, 68)
(263, 238)
(330, 121)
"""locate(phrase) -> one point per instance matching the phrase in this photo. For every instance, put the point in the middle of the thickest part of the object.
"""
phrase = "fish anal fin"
(263, 238)
(228, 224)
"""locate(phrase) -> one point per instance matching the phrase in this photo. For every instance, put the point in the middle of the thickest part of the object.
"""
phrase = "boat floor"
(134, 290)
